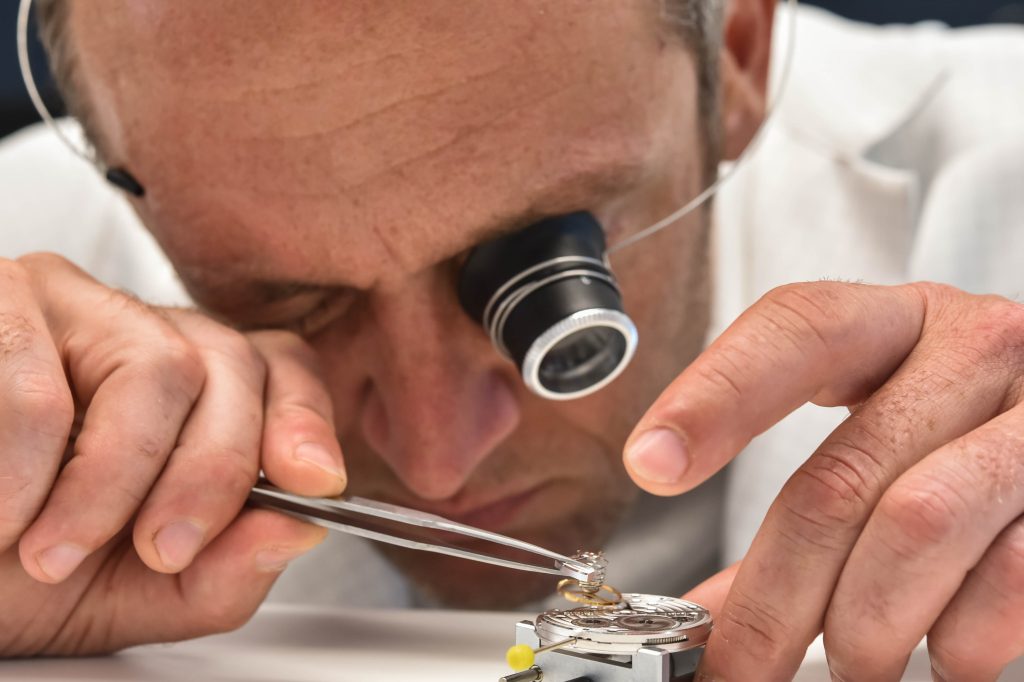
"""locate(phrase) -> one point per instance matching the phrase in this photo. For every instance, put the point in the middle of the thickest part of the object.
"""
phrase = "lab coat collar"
(852, 85)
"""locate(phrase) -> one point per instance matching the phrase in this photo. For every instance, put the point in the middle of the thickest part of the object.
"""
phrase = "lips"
(498, 514)
(490, 515)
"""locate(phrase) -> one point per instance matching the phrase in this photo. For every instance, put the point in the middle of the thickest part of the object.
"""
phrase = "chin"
(459, 583)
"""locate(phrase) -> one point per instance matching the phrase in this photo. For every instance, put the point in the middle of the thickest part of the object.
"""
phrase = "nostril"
(435, 434)
(501, 406)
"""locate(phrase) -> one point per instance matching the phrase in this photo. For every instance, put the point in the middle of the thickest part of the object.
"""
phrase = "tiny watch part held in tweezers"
(605, 635)
(609, 636)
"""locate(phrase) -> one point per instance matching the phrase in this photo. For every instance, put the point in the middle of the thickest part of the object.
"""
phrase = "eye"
(304, 313)
(329, 306)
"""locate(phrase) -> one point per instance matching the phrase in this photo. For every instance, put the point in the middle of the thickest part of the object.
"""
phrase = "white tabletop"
(284, 644)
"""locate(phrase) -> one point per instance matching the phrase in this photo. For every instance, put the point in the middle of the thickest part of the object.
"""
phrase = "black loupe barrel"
(549, 301)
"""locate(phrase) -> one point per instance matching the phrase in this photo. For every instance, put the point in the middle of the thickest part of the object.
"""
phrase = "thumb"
(231, 578)
(218, 592)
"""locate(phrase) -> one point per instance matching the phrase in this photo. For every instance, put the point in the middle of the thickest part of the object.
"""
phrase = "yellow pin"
(519, 657)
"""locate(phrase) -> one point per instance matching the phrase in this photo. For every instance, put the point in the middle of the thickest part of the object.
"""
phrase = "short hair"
(698, 23)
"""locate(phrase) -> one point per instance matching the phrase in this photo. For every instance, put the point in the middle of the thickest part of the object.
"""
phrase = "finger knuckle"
(280, 338)
(1003, 567)
(99, 440)
(752, 626)
(17, 335)
(16, 330)
(279, 341)
(1007, 323)
(721, 378)
(993, 331)
(42, 403)
(42, 261)
(14, 272)
(826, 496)
(120, 493)
(294, 414)
(954, 657)
(935, 294)
(237, 348)
(842, 647)
(919, 515)
(177, 362)
(983, 329)
(234, 469)
(806, 309)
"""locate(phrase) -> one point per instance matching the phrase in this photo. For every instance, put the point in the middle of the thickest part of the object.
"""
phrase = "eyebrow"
(600, 182)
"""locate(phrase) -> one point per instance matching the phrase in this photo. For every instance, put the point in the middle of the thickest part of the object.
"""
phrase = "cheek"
(665, 284)
(666, 288)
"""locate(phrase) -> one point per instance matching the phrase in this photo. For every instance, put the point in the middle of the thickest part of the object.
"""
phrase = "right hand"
(129, 439)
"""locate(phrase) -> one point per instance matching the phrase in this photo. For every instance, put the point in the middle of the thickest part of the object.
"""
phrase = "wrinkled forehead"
(328, 116)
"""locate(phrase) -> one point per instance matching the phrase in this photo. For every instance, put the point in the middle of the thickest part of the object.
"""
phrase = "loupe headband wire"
(740, 162)
(25, 64)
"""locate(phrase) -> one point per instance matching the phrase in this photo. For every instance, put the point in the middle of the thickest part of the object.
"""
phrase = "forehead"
(374, 132)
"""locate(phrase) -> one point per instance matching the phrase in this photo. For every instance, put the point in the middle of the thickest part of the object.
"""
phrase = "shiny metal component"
(605, 597)
(533, 674)
(582, 321)
(599, 563)
(363, 517)
(546, 296)
(645, 664)
(593, 592)
(556, 645)
(639, 620)
(497, 309)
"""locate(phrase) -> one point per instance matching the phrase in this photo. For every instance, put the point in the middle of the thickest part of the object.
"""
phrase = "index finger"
(36, 406)
(300, 450)
(826, 342)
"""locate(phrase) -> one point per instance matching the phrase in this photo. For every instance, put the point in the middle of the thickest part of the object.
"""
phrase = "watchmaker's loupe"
(547, 298)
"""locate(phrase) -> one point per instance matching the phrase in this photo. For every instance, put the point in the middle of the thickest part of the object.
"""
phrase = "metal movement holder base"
(648, 664)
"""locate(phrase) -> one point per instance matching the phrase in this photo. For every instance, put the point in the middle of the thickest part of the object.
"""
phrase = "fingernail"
(318, 456)
(178, 543)
(60, 561)
(276, 560)
(659, 456)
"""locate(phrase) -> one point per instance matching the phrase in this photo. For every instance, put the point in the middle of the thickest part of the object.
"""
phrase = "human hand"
(129, 439)
(906, 522)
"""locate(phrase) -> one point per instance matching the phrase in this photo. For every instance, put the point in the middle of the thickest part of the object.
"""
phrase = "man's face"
(325, 166)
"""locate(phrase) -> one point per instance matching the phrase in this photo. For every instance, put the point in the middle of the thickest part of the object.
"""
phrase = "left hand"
(906, 522)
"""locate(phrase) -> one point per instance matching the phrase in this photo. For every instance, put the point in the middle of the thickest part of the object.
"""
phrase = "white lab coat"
(897, 154)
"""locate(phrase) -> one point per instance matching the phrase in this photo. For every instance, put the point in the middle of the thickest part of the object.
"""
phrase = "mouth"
(499, 513)
(492, 515)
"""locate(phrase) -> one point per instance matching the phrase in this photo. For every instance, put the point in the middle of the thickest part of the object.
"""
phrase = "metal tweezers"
(358, 516)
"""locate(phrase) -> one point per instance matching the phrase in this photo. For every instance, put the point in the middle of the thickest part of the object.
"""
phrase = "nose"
(440, 399)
